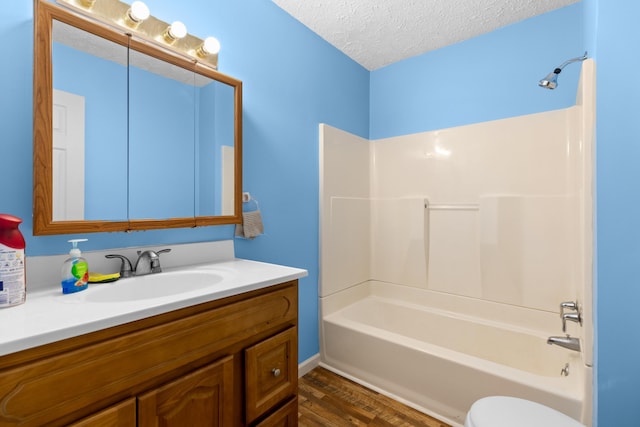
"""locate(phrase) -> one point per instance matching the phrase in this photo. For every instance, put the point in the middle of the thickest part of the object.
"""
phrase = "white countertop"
(48, 316)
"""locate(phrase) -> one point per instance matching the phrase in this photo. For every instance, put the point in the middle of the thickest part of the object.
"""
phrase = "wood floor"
(328, 400)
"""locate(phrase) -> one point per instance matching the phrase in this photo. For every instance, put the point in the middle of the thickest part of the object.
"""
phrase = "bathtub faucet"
(567, 342)
(574, 317)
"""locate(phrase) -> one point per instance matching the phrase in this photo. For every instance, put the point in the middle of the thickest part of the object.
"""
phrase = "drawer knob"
(275, 372)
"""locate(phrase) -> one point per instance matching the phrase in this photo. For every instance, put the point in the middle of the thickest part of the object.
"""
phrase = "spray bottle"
(75, 270)
(13, 289)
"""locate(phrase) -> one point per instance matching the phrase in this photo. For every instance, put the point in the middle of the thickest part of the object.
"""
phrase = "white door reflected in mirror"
(228, 174)
(68, 156)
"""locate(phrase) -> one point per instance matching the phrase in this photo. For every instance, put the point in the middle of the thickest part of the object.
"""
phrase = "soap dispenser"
(75, 270)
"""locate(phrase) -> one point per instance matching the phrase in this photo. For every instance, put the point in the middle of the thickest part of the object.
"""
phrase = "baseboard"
(308, 365)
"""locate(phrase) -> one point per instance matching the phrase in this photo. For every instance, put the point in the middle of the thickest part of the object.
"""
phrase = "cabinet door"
(271, 372)
(201, 398)
(122, 414)
(286, 416)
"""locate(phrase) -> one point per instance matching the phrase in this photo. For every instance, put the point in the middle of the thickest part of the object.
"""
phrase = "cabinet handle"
(275, 372)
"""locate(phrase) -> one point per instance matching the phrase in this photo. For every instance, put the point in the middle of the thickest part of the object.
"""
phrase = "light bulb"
(176, 30)
(209, 46)
(138, 12)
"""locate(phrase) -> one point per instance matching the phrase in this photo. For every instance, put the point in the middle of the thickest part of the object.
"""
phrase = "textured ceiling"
(376, 33)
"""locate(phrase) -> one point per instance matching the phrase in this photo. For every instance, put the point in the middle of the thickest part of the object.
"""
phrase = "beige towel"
(251, 225)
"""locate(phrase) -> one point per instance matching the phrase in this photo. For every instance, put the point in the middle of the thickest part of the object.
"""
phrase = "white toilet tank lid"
(504, 411)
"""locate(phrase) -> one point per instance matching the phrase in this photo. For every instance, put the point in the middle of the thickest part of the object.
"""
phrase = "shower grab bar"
(461, 207)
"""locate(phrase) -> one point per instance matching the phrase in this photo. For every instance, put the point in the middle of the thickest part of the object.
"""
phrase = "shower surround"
(445, 256)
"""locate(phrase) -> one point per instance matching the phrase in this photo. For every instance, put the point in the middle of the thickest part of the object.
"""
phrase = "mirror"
(214, 185)
(128, 136)
(89, 125)
(162, 135)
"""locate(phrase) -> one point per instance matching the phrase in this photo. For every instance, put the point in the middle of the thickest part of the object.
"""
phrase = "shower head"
(551, 80)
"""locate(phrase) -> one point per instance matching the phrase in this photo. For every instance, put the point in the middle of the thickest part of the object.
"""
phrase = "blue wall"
(293, 80)
(489, 77)
(618, 210)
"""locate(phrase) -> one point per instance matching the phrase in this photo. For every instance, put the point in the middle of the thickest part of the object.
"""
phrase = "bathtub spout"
(567, 342)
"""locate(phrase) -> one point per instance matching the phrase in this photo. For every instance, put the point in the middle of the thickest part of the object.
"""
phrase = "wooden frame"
(43, 224)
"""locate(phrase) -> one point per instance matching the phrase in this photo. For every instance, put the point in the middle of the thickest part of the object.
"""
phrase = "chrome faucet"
(149, 262)
(567, 342)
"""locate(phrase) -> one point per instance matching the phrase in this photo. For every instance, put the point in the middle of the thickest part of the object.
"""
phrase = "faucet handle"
(153, 254)
(574, 317)
(571, 305)
(125, 267)
(155, 260)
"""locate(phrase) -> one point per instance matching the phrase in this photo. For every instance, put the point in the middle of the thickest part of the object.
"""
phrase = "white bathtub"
(440, 362)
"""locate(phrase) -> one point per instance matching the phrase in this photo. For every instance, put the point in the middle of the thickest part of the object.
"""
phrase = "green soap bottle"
(75, 270)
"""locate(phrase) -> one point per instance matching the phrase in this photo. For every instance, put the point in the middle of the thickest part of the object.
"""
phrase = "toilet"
(503, 411)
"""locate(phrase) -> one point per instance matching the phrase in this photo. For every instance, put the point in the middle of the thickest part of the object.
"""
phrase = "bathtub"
(408, 344)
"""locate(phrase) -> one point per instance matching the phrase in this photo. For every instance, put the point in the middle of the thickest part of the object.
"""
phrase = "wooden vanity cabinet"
(231, 362)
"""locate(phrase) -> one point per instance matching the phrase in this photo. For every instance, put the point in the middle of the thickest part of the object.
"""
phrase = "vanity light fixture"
(137, 13)
(136, 20)
(177, 30)
(210, 46)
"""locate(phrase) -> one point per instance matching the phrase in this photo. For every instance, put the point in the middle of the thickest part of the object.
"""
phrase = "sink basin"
(153, 286)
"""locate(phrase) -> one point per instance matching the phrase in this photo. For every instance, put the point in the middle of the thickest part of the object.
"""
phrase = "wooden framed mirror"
(128, 135)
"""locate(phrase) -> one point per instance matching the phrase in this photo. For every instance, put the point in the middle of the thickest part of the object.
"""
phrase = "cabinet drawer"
(271, 372)
(286, 416)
